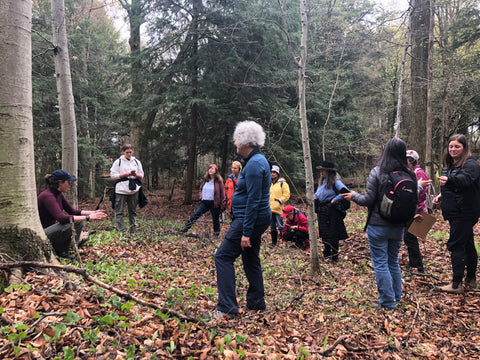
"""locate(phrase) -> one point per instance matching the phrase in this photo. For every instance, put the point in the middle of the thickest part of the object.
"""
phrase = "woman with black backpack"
(385, 235)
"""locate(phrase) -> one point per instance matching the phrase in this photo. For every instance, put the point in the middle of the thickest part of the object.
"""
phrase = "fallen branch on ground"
(340, 340)
(87, 276)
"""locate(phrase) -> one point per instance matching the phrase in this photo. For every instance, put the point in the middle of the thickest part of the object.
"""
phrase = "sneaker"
(450, 289)
(217, 314)
(471, 283)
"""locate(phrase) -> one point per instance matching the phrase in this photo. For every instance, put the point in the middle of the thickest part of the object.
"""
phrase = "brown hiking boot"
(450, 289)
(470, 283)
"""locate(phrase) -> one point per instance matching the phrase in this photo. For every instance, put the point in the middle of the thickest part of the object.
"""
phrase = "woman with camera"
(127, 172)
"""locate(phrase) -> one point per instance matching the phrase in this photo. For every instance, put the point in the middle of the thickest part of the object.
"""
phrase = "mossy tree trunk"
(21, 234)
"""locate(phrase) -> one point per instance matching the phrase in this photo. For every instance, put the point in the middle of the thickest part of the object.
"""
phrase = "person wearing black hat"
(331, 209)
(52, 206)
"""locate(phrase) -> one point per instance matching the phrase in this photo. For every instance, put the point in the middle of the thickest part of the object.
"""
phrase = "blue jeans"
(277, 222)
(225, 257)
(385, 244)
(204, 206)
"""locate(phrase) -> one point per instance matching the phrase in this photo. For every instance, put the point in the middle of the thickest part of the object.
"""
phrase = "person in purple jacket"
(55, 213)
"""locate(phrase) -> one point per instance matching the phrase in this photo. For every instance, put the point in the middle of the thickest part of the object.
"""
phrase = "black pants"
(60, 235)
(414, 255)
(330, 248)
(462, 249)
(298, 237)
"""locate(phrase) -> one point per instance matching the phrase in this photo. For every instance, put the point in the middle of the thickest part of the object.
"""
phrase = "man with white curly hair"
(251, 209)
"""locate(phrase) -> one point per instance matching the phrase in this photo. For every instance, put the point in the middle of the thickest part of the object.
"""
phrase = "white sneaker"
(217, 314)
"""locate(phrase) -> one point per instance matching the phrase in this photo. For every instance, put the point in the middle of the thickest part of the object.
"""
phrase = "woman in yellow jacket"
(279, 195)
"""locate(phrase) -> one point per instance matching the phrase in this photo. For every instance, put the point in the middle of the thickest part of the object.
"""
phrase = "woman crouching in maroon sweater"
(52, 207)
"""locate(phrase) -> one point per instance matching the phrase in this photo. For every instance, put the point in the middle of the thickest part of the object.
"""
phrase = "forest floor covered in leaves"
(323, 316)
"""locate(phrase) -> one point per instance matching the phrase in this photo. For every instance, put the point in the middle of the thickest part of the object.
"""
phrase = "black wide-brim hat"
(327, 165)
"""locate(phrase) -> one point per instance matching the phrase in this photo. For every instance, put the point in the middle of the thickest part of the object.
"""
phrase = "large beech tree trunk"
(21, 234)
(65, 96)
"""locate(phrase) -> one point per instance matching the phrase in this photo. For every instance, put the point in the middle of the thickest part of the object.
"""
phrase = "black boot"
(274, 237)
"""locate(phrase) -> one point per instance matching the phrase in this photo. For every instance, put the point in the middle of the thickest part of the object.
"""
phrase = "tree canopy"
(192, 70)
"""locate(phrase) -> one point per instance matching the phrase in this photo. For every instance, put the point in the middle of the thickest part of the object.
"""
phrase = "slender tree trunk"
(309, 185)
(21, 234)
(86, 157)
(194, 111)
(429, 119)
(302, 105)
(398, 121)
(65, 96)
(136, 17)
(420, 22)
(225, 167)
(191, 154)
(332, 95)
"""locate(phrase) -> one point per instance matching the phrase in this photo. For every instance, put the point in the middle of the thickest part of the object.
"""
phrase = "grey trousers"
(60, 235)
(132, 201)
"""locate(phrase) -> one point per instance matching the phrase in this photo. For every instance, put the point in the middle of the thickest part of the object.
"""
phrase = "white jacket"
(123, 165)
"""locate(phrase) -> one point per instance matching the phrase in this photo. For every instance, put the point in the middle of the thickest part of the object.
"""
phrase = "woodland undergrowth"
(325, 315)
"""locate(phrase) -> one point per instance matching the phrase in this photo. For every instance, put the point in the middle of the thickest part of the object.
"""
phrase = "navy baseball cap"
(62, 175)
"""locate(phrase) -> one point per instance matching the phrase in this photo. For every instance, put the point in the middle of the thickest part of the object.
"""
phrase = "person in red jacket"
(296, 227)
